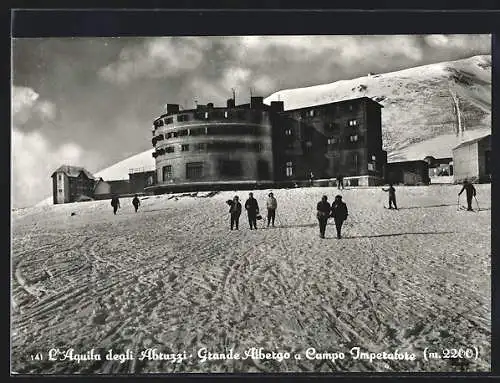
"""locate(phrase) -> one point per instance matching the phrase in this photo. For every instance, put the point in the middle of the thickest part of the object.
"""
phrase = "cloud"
(26, 105)
(156, 58)
(34, 157)
(459, 42)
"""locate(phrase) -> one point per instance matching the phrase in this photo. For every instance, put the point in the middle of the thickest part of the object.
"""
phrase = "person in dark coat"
(470, 191)
(115, 202)
(339, 214)
(234, 211)
(136, 203)
(252, 208)
(340, 181)
(323, 212)
(392, 196)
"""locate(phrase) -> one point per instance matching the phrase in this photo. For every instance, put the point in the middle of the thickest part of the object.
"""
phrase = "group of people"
(252, 208)
(115, 203)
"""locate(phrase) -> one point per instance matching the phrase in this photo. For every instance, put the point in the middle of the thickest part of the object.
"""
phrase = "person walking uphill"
(392, 196)
(136, 203)
(252, 208)
(339, 214)
(470, 191)
(323, 212)
(234, 211)
(272, 205)
(115, 202)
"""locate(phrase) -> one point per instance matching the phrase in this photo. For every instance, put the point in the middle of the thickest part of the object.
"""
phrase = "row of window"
(330, 126)
(353, 138)
(316, 112)
(244, 115)
(232, 168)
(212, 146)
(226, 130)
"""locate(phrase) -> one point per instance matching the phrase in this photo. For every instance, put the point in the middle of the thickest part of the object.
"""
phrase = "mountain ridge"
(418, 118)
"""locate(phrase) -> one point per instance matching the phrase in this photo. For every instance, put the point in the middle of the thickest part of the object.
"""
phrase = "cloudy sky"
(91, 101)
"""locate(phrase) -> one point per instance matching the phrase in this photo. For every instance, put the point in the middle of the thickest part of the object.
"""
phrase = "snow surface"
(174, 277)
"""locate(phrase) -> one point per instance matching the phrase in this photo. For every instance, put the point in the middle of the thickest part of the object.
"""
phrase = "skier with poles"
(470, 191)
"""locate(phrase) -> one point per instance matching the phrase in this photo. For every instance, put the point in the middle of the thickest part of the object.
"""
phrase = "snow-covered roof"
(73, 171)
(473, 141)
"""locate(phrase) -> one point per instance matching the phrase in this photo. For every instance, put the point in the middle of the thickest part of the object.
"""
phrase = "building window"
(194, 170)
(230, 168)
(288, 132)
(60, 191)
(169, 149)
(350, 108)
(169, 120)
(59, 176)
(256, 146)
(200, 146)
(333, 140)
(149, 182)
(184, 147)
(197, 131)
(206, 115)
(311, 113)
(352, 122)
(353, 138)
(167, 172)
(158, 123)
(373, 158)
(183, 117)
(289, 169)
(226, 114)
(182, 133)
(355, 161)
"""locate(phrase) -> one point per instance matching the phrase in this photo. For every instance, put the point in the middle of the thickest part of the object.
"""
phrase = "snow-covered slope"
(120, 170)
(417, 118)
(418, 104)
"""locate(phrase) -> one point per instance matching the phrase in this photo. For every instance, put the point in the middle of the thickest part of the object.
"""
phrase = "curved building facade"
(213, 145)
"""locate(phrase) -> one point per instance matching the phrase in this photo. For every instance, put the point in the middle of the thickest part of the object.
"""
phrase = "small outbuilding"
(472, 160)
(407, 172)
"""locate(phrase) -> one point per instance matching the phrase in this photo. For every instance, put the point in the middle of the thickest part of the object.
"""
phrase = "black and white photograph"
(251, 204)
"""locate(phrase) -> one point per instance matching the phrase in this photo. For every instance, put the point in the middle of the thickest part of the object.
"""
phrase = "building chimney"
(172, 108)
(256, 102)
(231, 103)
(277, 106)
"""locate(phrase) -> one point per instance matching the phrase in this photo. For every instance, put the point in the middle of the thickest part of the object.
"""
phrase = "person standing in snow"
(470, 191)
(340, 181)
(234, 211)
(115, 202)
(323, 212)
(392, 196)
(339, 214)
(272, 205)
(252, 208)
(136, 203)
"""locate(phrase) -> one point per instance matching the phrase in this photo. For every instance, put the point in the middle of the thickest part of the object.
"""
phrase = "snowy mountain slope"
(418, 103)
(417, 118)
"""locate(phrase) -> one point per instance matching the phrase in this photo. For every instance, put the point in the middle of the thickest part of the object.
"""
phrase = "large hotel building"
(261, 145)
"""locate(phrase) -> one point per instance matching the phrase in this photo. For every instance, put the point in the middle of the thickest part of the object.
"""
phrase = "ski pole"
(477, 203)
